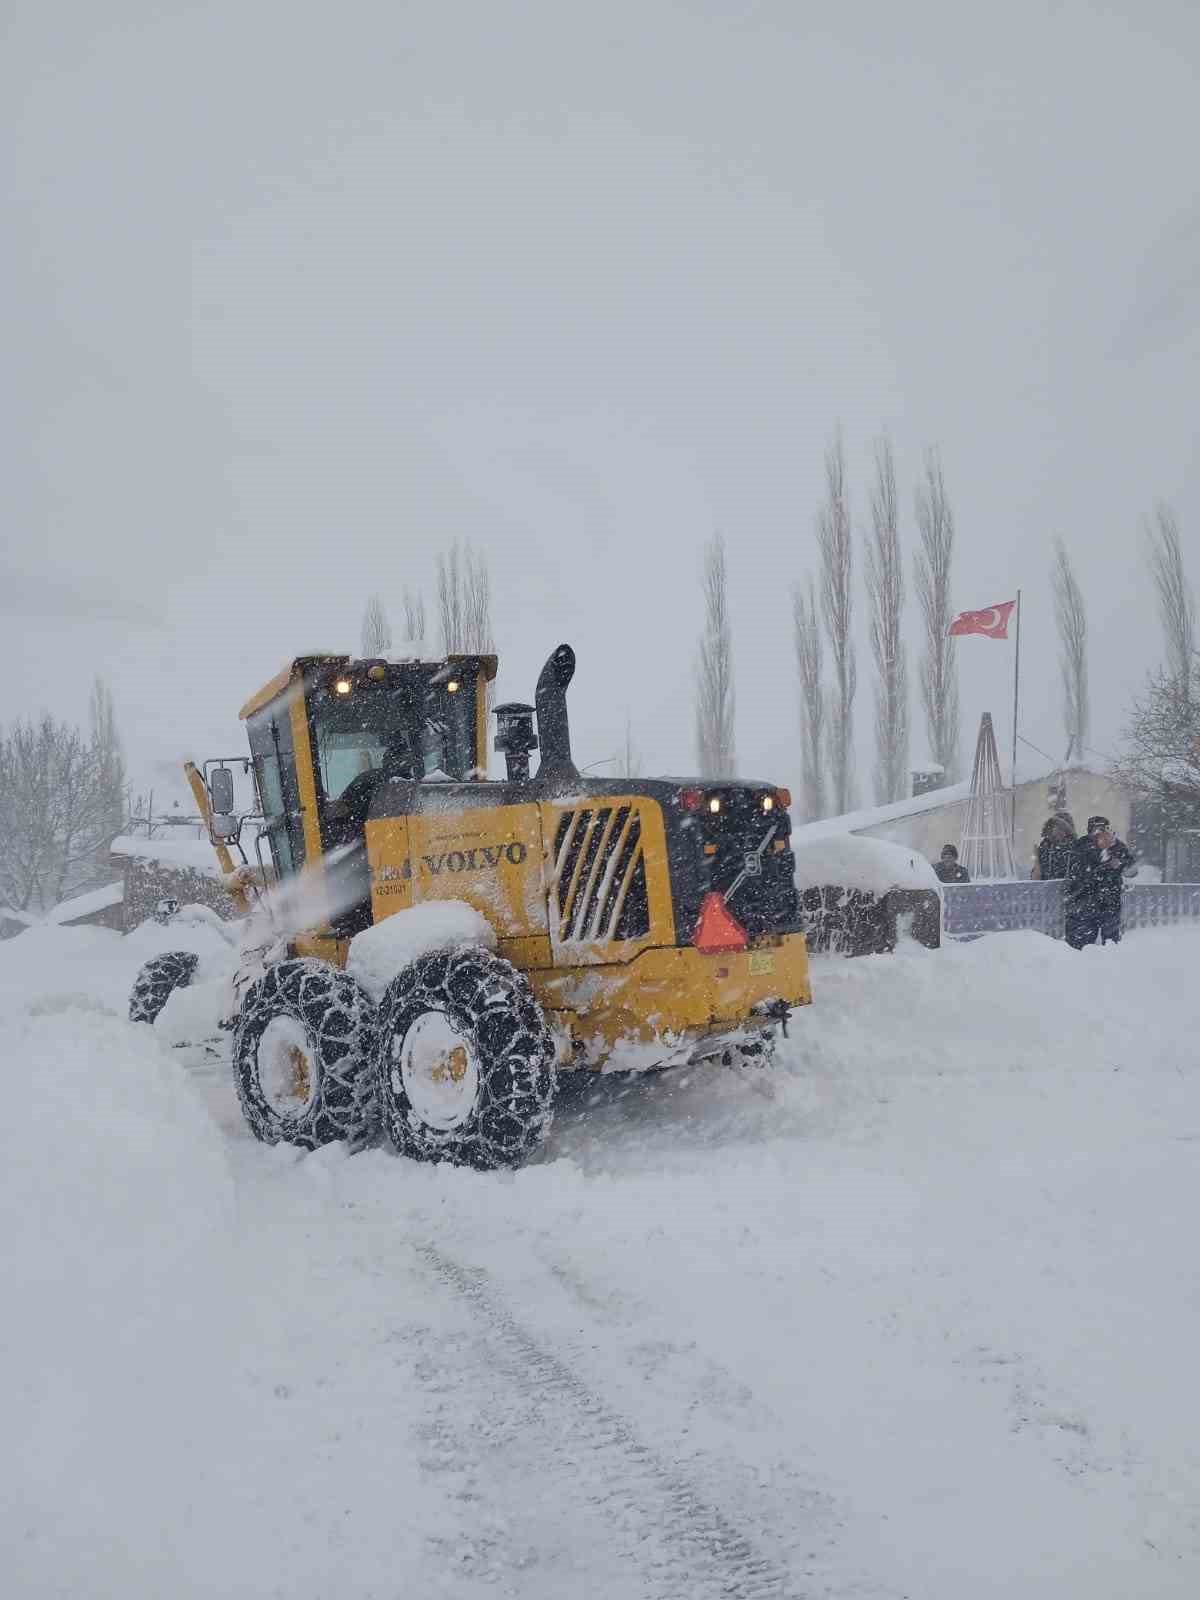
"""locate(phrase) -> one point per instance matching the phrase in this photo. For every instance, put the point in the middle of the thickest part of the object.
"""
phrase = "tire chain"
(339, 1019)
(156, 982)
(491, 1002)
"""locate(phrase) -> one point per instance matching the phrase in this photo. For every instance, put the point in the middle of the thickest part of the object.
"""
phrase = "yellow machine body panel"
(491, 857)
(537, 873)
(667, 1003)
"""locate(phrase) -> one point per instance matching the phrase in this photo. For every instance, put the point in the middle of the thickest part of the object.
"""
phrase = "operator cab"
(328, 732)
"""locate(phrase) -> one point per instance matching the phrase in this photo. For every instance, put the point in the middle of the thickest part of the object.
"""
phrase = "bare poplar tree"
(477, 605)
(414, 616)
(629, 762)
(939, 660)
(1071, 616)
(450, 599)
(885, 592)
(376, 637)
(1176, 602)
(716, 754)
(464, 602)
(837, 561)
(809, 669)
(108, 757)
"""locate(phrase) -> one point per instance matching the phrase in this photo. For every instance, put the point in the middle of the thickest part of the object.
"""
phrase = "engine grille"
(598, 887)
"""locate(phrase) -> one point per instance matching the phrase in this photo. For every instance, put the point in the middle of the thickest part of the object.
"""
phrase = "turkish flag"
(992, 623)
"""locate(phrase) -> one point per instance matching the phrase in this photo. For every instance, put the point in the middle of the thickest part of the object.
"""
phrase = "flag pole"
(1016, 711)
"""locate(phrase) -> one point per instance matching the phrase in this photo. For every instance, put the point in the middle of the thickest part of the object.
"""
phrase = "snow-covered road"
(915, 1315)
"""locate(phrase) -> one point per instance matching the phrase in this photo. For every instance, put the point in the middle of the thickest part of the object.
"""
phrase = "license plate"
(761, 963)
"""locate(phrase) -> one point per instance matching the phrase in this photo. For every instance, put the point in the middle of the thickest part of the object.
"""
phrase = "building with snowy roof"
(934, 817)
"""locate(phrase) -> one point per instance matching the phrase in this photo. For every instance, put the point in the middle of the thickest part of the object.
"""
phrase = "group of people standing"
(1093, 868)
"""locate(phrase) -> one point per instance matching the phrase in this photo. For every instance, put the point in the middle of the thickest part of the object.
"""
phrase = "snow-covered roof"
(86, 905)
(915, 805)
(195, 855)
(872, 816)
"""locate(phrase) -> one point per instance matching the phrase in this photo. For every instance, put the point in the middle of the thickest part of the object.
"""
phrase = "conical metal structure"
(986, 845)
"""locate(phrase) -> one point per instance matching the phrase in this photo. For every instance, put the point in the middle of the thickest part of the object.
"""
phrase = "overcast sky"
(298, 293)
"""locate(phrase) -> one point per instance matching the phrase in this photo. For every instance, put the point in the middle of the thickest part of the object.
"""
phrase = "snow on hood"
(379, 953)
(873, 865)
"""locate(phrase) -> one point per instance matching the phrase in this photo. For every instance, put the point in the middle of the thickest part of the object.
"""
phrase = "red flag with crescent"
(992, 622)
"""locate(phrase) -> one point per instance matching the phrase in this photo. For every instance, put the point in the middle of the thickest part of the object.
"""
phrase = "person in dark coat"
(1054, 851)
(1095, 881)
(948, 869)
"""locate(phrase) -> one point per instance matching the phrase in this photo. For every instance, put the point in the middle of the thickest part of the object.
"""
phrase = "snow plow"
(430, 950)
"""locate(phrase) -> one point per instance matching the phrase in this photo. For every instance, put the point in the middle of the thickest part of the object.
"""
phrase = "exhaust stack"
(554, 729)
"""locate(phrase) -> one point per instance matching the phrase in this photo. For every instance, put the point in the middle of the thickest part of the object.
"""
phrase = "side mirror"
(220, 791)
(226, 827)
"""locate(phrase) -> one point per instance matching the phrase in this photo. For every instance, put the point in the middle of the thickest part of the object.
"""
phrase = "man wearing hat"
(1095, 878)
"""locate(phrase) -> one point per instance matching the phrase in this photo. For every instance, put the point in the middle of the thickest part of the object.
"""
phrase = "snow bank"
(873, 865)
(377, 954)
(119, 1209)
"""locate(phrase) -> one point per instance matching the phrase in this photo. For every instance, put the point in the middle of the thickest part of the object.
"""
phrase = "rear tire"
(156, 981)
(302, 1057)
(465, 1061)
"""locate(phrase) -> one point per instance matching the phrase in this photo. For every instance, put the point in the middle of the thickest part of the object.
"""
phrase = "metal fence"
(973, 908)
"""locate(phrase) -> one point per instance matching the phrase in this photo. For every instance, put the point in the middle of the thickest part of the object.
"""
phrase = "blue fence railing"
(972, 908)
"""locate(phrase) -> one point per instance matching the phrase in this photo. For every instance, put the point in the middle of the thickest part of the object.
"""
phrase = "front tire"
(157, 979)
(302, 1057)
(465, 1060)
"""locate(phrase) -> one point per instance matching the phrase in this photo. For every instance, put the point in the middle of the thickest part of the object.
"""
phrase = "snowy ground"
(916, 1315)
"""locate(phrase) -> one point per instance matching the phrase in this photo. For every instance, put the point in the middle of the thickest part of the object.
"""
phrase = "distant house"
(173, 868)
(927, 821)
(97, 908)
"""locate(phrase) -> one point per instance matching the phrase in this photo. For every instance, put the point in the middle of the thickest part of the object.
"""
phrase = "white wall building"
(928, 821)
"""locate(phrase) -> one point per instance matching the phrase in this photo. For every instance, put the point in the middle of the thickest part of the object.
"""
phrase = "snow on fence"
(973, 908)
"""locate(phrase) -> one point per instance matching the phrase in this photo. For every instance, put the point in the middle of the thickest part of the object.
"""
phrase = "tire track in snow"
(684, 1547)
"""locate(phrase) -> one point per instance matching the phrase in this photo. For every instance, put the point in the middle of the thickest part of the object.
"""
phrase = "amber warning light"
(717, 929)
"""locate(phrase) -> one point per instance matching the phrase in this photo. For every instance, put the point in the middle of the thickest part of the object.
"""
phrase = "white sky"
(301, 292)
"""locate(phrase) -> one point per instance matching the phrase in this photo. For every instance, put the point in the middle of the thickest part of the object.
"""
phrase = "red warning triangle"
(717, 928)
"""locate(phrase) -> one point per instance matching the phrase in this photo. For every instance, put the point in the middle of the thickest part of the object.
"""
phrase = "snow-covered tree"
(716, 751)
(885, 594)
(837, 605)
(939, 660)
(1071, 616)
(58, 808)
(1159, 758)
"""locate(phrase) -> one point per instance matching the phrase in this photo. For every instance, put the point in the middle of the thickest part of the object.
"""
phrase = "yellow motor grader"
(634, 923)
